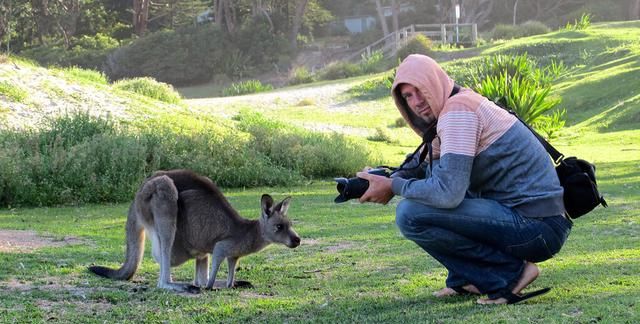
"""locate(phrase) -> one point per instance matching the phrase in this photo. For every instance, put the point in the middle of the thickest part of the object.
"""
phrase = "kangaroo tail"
(140, 213)
(135, 250)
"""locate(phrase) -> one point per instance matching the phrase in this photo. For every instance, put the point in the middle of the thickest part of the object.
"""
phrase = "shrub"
(236, 64)
(549, 124)
(246, 87)
(300, 75)
(581, 23)
(383, 135)
(372, 63)
(183, 56)
(263, 47)
(339, 70)
(532, 27)
(400, 122)
(503, 31)
(150, 88)
(529, 28)
(193, 54)
(82, 159)
(311, 154)
(522, 95)
(306, 102)
(603, 10)
(517, 83)
(419, 44)
(88, 52)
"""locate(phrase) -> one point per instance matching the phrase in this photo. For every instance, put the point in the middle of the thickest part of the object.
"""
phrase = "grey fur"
(186, 216)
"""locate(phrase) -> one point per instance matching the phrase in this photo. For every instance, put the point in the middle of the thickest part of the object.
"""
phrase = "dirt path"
(325, 96)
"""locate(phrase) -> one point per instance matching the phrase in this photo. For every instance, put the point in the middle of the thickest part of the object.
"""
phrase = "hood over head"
(430, 79)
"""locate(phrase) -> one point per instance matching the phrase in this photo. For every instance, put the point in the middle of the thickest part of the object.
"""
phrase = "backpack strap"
(555, 154)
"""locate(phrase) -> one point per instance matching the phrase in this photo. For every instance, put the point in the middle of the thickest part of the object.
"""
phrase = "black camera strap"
(427, 138)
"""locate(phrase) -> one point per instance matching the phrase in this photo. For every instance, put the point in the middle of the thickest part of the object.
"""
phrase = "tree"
(476, 11)
(67, 19)
(395, 10)
(301, 6)
(634, 9)
(515, 10)
(225, 15)
(381, 17)
(6, 12)
(140, 16)
(42, 18)
(258, 10)
(544, 8)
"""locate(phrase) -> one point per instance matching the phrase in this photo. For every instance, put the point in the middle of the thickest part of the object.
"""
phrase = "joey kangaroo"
(186, 216)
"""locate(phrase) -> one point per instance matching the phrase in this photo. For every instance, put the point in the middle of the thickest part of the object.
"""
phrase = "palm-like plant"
(516, 83)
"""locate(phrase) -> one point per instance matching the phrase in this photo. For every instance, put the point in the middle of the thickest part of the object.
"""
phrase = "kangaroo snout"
(294, 242)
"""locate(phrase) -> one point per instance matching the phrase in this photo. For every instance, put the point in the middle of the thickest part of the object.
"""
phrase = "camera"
(356, 187)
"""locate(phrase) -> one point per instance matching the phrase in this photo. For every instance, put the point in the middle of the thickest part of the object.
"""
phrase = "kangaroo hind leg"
(163, 205)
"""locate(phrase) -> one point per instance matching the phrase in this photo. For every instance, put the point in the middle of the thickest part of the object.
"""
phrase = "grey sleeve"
(445, 188)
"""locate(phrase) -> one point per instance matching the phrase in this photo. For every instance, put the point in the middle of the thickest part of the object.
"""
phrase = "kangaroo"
(186, 216)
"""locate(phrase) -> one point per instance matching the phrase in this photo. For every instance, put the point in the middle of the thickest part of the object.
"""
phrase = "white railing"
(442, 33)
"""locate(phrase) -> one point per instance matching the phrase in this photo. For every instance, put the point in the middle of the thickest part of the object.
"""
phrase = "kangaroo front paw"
(192, 289)
(241, 284)
(178, 287)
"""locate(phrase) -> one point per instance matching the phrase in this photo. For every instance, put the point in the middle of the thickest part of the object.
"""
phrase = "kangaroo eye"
(279, 227)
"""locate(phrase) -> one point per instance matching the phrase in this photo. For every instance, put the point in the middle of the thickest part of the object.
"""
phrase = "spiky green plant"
(517, 83)
(246, 87)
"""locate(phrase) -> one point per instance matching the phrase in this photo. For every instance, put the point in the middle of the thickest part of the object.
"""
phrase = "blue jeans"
(482, 242)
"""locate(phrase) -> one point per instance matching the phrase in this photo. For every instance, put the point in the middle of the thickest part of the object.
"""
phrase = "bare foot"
(529, 274)
(446, 292)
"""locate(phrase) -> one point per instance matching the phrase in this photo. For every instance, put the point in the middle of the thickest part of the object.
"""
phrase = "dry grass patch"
(15, 241)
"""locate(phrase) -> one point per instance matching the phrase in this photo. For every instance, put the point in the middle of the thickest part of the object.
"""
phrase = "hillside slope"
(30, 94)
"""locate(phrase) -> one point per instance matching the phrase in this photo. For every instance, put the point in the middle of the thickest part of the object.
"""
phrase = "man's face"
(416, 102)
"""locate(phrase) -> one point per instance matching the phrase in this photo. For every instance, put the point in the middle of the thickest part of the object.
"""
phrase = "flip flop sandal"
(517, 298)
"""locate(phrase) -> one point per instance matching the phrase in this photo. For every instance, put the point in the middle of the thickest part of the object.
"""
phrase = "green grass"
(353, 264)
(82, 76)
(13, 92)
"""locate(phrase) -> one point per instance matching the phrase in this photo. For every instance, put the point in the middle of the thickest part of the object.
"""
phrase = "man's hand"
(379, 188)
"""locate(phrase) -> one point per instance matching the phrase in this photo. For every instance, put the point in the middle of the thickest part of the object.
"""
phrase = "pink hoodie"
(429, 78)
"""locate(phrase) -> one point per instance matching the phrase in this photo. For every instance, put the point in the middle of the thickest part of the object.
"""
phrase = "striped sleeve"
(459, 132)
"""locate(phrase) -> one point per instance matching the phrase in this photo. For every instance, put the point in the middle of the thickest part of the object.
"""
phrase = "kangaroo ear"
(266, 202)
(284, 205)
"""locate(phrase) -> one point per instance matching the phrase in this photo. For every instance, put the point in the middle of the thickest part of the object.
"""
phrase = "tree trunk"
(68, 21)
(301, 6)
(217, 7)
(42, 17)
(5, 22)
(515, 10)
(225, 15)
(476, 11)
(634, 9)
(229, 17)
(140, 16)
(394, 15)
(383, 20)
(258, 9)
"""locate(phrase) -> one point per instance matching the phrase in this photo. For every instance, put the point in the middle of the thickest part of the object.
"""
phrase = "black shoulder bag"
(577, 177)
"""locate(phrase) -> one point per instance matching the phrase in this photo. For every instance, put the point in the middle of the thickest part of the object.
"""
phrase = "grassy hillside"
(353, 264)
